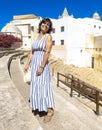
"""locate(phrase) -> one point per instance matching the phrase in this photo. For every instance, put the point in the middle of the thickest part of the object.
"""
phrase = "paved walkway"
(15, 113)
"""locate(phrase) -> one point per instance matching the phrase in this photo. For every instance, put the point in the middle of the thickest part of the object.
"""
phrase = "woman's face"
(45, 27)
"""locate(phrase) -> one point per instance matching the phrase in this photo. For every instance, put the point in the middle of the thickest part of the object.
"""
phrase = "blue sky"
(48, 8)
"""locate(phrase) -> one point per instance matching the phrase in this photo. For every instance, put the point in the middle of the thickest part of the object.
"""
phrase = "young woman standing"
(41, 95)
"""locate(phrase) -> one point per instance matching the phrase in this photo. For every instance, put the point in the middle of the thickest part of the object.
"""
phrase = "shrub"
(6, 41)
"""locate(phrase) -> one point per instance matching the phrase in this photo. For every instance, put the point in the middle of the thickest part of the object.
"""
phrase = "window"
(32, 28)
(62, 29)
(29, 29)
(94, 26)
(62, 42)
(53, 42)
(53, 30)
(96, 49)
(99, 27)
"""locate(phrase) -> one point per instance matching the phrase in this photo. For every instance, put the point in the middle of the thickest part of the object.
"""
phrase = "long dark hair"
(45, 20)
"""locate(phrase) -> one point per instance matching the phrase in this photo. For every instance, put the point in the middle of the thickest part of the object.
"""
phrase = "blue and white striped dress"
(41, 95)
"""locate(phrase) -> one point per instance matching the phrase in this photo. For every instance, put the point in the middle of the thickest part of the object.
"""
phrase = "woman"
(41, 96)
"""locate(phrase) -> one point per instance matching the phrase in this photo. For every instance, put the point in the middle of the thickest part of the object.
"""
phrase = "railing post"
(97, 102)
(79, 88)
(66, 78)
(57, 79)
(52, 71)
(71, 93)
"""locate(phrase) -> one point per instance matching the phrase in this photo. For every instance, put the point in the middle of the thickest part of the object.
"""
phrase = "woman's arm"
(48, 50)
(46, 55)
(28, 62)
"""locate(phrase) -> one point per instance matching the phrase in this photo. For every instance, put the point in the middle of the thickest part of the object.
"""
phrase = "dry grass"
(87, 75)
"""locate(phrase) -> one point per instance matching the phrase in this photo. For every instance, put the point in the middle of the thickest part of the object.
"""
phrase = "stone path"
(70, 113)
(14, 112)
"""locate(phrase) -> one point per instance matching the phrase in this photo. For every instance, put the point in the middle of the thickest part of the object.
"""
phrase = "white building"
(74, 40)
(78, 35)
(27, 24)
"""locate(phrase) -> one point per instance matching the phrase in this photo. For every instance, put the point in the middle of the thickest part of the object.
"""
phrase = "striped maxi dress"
(41, 95)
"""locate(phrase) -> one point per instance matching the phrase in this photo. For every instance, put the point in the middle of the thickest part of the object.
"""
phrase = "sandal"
(50, 112)
(49, 115)
(35, 112)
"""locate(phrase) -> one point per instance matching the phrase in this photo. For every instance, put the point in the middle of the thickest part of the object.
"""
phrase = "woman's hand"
(26, 68)
(39, 71)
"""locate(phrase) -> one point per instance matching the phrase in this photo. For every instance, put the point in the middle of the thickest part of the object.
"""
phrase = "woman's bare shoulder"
(48, 36)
